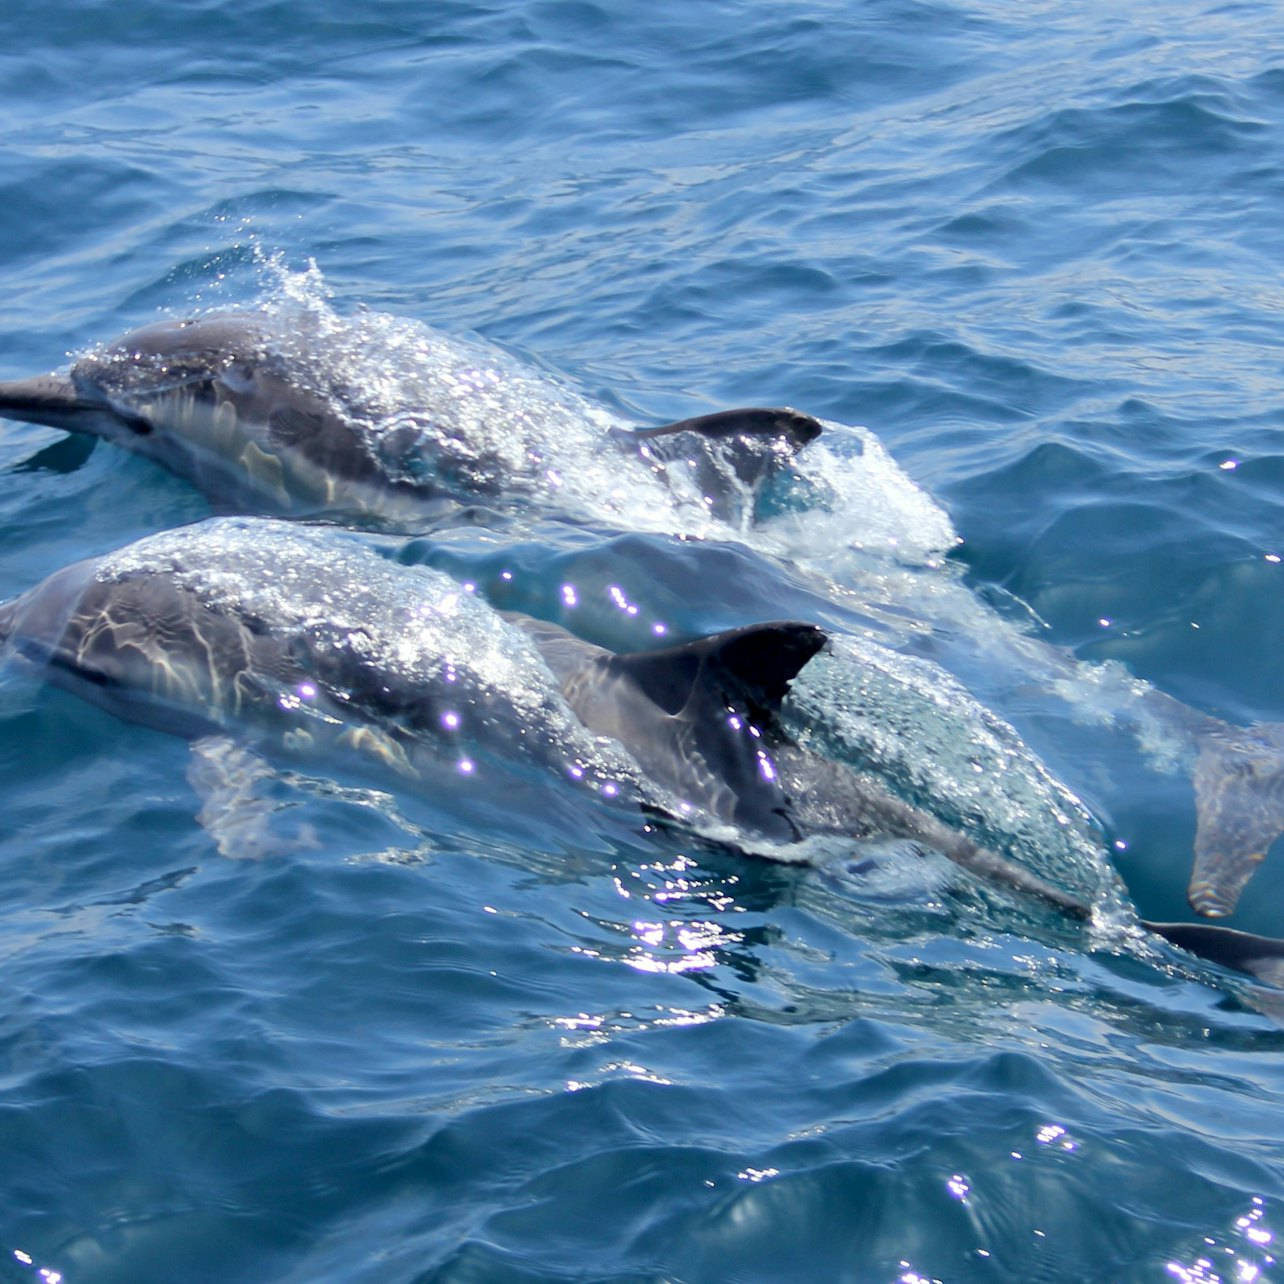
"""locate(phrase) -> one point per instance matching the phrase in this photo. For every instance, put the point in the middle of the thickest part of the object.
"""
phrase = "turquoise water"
(1034, 250)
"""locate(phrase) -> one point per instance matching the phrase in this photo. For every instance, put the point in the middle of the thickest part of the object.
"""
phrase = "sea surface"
(1025, 259)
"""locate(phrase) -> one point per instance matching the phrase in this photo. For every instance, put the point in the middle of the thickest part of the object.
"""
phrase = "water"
(1034, 249)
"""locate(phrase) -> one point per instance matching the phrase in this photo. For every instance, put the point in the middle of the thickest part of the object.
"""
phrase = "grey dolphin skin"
(270, 420)
(267, 627)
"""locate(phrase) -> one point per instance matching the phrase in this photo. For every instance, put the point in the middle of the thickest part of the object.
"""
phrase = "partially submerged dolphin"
(297, 418)
(303, 639)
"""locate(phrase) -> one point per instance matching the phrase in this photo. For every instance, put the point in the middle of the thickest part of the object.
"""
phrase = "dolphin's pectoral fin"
(266, 471)
(1239, 805)
(10, 617)
(380, 746)
(1257, 956)
(237, 810)
(791, 427)
(754, 664)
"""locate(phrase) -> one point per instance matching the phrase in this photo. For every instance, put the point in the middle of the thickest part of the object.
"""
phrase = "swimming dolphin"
(294, 419)
(309, 641)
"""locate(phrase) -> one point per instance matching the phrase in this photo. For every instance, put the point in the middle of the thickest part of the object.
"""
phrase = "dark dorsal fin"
(1259, 956)
(791, 426)
(755, 664)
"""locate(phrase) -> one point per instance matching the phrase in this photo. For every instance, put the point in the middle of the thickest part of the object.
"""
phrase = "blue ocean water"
(1034, 249)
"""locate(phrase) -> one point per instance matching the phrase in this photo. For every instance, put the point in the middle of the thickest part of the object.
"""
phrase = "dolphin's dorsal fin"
(780, 423)
(755, 664)
(727, 456)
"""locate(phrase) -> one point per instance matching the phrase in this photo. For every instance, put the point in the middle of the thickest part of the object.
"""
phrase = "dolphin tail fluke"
(51, 400)
(754, 664)
(1239, 806)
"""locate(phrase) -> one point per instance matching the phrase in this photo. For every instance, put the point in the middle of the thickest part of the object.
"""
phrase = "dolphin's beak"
(52, 400)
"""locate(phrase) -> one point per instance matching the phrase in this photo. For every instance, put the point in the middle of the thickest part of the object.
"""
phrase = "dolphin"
(296, 419)
(307, 640)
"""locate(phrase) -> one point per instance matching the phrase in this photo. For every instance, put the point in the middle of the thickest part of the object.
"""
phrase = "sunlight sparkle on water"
(1243, 1265)
(671, 946)
(911, 1276)
(49, 1276)
(1054, 1132)
(617, 596)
